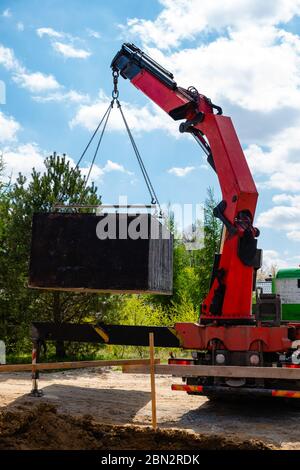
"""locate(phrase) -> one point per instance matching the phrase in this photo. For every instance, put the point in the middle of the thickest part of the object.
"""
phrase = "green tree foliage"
(4, 206)
(19, 305)
(192, 267)
(62, 184)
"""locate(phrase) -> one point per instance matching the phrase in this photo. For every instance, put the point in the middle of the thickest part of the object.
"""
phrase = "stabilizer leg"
(35, 392)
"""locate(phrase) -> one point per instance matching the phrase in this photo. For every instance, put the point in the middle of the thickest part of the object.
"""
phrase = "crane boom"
(230, 295)
(227, 334)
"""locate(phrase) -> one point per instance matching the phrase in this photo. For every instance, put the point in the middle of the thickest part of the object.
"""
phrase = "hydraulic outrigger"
(227, 334)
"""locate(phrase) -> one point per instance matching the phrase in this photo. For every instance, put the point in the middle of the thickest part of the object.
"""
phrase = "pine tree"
(59, 183)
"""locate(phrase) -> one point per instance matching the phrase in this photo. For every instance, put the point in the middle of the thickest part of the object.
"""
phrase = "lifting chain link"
(115, 92)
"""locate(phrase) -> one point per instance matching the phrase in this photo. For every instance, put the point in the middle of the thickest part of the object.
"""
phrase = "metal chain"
(153, 196)
(115, 96)
(98, 145)
(93, 136)
(115, 92)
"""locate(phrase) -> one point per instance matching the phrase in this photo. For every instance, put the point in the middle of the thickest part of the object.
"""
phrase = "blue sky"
(244, 54)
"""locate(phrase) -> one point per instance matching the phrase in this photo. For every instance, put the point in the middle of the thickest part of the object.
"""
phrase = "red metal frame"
(239, 192)
(239, 195)
(237, 186)
(204, 390)
(234, 337)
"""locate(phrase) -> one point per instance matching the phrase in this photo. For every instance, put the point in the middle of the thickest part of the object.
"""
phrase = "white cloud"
(181, 172)
(71, 96)
(69, 51)
(186, 19)
(294, 235)
(23, 158)
(7, 13)
(114, 166)
(271, 258)
(66, 49)
(287, 198)
(8, 128)
(20, 26)
(93, 34)
(279, 163)
(36, 82)
(233, 68)
(280, 218)
(49, 32)
(98, 172)
(18, 157)
(8, 59)
(204, 166)
(140, 119)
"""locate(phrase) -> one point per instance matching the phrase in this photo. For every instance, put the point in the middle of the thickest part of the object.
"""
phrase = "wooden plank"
(217, 371)
(152, 380)
(73, 365)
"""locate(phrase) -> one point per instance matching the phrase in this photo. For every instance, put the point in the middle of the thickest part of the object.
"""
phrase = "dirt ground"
(103, 408)
(41, 427)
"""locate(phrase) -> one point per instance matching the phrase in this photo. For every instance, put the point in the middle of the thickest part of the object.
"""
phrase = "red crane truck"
(234, 351)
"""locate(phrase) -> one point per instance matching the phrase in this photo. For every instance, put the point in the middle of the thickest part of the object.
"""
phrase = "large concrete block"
(104, 253)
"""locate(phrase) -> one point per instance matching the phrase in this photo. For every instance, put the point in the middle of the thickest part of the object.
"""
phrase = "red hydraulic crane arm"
(167, 98)
(230, 294)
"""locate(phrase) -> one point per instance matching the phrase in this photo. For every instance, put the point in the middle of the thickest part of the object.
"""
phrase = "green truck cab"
(286, 283)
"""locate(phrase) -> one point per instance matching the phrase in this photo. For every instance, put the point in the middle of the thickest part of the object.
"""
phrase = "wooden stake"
(223, 235)
(152, 377)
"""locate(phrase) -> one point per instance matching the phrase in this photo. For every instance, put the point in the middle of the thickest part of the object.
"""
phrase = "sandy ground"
(111, 397)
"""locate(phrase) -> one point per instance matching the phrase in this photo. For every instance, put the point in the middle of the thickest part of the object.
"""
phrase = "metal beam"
(126, 335)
